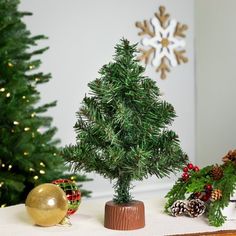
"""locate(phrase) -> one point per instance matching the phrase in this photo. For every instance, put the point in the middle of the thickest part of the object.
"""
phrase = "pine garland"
(197, 182)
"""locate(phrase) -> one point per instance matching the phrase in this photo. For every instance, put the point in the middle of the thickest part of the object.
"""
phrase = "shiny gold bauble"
(47, 204)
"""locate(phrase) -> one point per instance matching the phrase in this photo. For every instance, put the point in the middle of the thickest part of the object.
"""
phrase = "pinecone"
(230, 156)
(217, 172)
(216, 195)
(178, 208)
(195, 208)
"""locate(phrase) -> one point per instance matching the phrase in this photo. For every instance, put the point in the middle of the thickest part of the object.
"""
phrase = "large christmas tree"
(122, 128)
(28, 152)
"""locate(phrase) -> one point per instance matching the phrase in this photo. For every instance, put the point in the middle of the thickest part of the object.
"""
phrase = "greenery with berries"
(214, 185)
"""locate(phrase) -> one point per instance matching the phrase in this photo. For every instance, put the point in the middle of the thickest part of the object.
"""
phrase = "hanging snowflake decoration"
(164, 41)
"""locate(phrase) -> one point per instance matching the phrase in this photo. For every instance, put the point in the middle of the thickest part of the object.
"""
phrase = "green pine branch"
(182, 190)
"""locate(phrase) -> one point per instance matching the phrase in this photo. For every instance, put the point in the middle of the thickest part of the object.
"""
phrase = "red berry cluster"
(187, 170)
(205, 195)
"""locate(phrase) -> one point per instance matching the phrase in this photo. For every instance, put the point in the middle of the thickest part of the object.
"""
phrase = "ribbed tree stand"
(128, 216)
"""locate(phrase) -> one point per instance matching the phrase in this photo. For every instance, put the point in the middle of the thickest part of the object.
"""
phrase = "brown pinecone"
(178, 208)
(217, 172)
(230, 156)
(216, 195)
(195, 208)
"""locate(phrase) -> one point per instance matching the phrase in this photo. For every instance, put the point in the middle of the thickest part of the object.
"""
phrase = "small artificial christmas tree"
(122, 128)
(28, 152)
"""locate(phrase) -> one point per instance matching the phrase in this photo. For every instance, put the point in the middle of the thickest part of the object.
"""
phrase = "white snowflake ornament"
(164, 40)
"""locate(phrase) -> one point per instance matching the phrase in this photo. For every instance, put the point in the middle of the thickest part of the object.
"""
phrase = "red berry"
(208, 187)
(197, 194)
(185, 176)
(196, 168)
(190, 166)
(185, 169)
(205, 198)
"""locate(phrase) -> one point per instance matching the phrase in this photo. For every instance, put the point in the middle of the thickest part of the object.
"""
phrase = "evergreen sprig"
(122, 126)
(182, 190)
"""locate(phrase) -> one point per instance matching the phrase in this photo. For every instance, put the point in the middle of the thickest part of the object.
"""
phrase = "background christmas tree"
(122, 128)
(28, 153)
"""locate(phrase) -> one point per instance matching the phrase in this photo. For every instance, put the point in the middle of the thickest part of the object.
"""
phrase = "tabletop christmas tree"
(28, 152)
(122, 131)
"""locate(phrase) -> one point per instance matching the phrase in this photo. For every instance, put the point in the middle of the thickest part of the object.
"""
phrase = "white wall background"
(82, 35)
(216, 79)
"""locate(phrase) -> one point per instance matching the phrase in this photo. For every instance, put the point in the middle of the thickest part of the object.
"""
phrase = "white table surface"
(88, 221)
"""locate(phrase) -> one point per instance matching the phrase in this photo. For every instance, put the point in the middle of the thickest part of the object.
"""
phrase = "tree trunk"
(122, 190)
(128, 216)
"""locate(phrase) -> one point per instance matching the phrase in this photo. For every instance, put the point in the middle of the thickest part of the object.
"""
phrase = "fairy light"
(33, 114)
(26, 129)
(9, 167)
(31, 169)
(42, 164)
(3, 165)
(1, 184)
(54, 154)
(8, 95)
(37, 79)
(10, 64)
(2, 89)
(16, 122)
(42, 172)
(26, 153)
(27, 100)
(13, 131)
(72, 177)
(3, 205)
(23, 97)
(36, 177)
(31, 67)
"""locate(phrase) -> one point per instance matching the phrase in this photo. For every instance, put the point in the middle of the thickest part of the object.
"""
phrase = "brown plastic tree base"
(127, 216)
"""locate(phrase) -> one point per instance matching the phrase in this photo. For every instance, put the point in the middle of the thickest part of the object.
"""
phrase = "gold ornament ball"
(47, 204)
